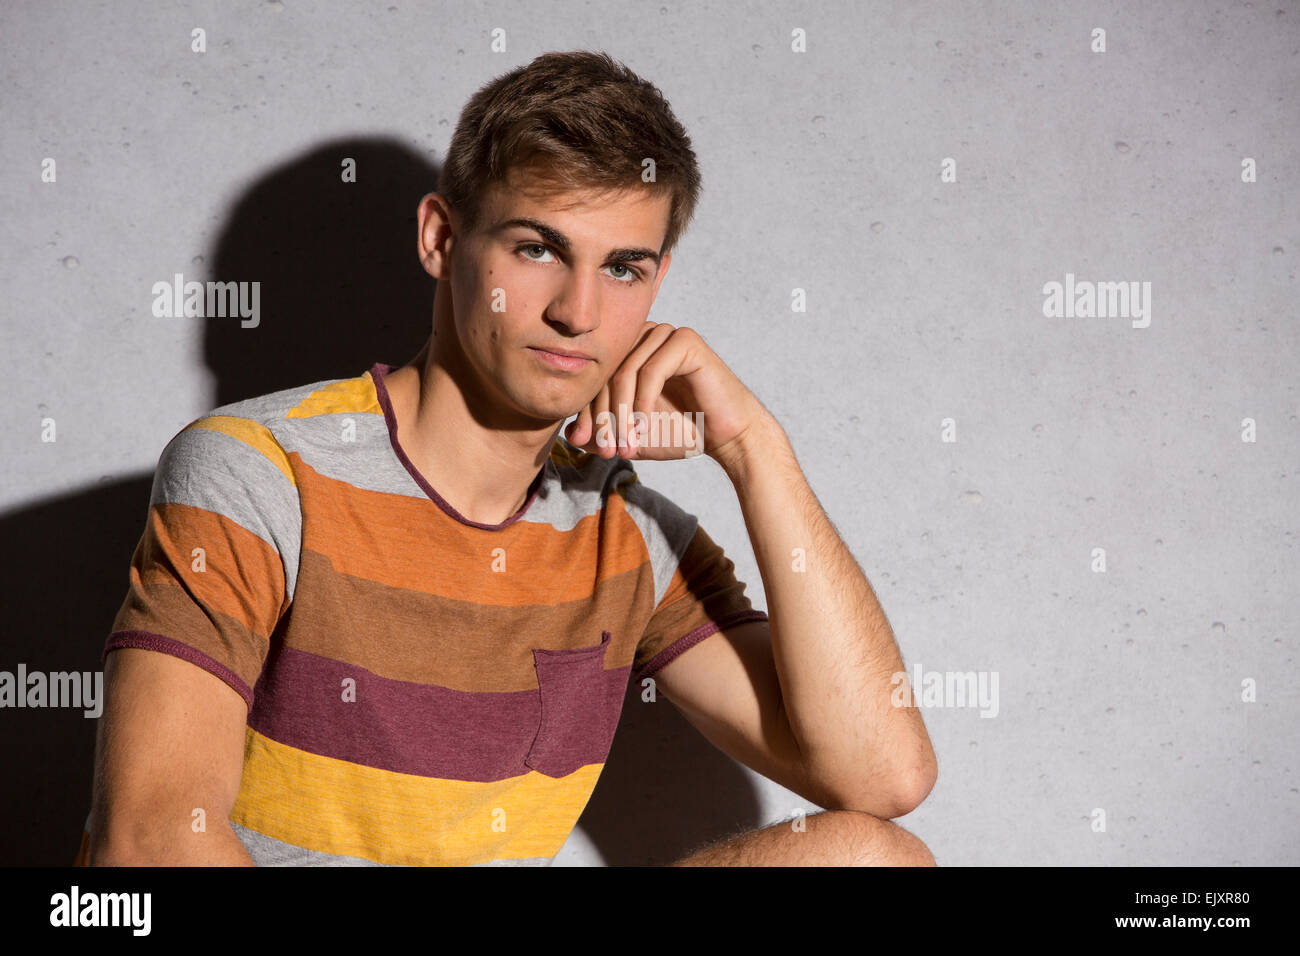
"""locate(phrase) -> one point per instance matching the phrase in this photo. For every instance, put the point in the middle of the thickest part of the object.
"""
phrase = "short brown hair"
(582, 122)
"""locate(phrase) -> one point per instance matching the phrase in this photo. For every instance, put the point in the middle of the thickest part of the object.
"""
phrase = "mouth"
(569, 361)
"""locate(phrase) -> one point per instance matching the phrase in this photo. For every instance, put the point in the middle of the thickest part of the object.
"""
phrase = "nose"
(576, 306)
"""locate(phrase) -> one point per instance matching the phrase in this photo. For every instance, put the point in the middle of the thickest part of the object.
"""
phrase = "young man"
(391, 619)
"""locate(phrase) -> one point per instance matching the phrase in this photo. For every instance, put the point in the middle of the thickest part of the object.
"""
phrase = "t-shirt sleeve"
(214, 569)
(696, 587)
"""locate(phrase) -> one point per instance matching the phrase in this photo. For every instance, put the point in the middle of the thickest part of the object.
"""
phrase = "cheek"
(490, 310)
(484, 289)
(505, 297)
(634, 325)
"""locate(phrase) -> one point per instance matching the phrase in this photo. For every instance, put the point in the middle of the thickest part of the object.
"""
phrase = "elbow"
(916, 786)
(898, 794)
(916, 783)
(129, 841)
(888, 788)
(217, 847)
(117, 852)
(140, 840)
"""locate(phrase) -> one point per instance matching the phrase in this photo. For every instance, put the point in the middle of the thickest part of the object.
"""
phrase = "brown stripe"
(687, 641)
(703, 589)
(409, 636)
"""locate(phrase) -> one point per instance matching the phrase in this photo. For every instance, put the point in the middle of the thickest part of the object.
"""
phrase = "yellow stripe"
(356, 395)
(334, 806)
(251, 433)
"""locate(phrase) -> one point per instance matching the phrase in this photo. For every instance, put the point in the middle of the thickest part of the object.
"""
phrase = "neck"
(482, 468)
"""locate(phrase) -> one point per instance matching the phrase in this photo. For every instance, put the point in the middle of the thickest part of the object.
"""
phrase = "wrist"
(754, 444)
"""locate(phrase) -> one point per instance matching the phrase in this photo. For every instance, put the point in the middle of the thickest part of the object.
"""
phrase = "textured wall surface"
(1098, 510)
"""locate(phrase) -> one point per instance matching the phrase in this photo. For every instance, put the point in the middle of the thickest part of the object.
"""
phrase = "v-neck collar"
(377, 373)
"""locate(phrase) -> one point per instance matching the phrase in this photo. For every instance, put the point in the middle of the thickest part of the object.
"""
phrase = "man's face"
(580, 276)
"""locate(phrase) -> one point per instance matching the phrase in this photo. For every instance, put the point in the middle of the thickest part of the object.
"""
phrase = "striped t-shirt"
(422, 689)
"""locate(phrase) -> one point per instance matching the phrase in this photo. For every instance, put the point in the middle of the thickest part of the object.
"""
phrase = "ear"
(434, 234)
(664, 263)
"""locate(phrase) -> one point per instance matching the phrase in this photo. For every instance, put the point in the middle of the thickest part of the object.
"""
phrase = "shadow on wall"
(665, 790)
(341, 288)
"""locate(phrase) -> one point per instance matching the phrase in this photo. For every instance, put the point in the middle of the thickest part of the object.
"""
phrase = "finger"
(624, 385)
(579, 430)
(622, 389)
(587, 425)
(601, 441)
(671, 358)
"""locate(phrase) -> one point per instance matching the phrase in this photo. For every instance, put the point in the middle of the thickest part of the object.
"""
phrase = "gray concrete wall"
(973, 452)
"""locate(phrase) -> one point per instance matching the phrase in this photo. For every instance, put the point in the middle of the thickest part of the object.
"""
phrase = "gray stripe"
(571, 494)
(356, 448)
(219, 473)
(268, 851)
(360, 454)
(666, 528)
(523, 861)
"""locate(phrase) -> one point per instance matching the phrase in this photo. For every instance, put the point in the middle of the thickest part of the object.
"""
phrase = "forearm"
(834, 650)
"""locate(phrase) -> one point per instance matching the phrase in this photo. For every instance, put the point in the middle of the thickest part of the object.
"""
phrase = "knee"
(872, 841)
(912, 850)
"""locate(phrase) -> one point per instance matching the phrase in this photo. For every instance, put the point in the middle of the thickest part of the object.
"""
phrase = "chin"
(553, 409)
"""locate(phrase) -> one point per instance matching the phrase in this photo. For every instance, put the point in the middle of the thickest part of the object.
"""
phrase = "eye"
(632, 274)
(629, 276)
(533, 245)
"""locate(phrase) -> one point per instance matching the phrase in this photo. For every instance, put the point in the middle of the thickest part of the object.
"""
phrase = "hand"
(671, 397)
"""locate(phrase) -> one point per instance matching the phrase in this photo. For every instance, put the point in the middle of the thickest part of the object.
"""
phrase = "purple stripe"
(433, 731)
(377, 373)
(686, 642)
(157, 642)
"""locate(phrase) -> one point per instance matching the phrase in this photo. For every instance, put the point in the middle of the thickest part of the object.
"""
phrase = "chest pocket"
(581, 704)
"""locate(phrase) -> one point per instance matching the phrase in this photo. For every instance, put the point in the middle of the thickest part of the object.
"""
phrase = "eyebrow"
(561, 241)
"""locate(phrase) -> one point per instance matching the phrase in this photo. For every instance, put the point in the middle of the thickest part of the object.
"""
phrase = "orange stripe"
(466, 562)
(238, 565)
